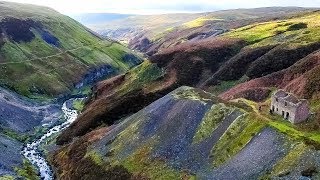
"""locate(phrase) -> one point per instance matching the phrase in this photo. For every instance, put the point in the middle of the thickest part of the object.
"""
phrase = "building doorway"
(283, 114)
(287, 115)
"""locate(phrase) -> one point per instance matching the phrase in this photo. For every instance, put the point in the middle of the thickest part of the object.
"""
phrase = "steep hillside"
(191, 134)
(288, 59)
(53, 52)
(215, 63)
(128, 93)
(131, 128)
(20, 121)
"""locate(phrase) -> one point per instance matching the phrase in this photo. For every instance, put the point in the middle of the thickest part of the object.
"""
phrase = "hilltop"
(150, 34)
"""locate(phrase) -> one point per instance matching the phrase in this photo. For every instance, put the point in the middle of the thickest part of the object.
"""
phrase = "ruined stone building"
(290, 107)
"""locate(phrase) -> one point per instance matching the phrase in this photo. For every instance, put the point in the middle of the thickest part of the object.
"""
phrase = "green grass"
(196, 95)
(161, 35)
(95, 157)
(258, 32)
(51, 76)
(140, 163)
(200, 22)
(290, 160)
(211, 121)
(85, 90)
(236, 138)
(7, 177)
(78, 105)
(17, 136)
(141, 77)
(309, 137)
(226, 85)
(279, 32)
(27, 171)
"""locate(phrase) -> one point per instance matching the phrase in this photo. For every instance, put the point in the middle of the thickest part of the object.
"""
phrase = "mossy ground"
(141, 164)
(27, 171)
(140, 77)
(236, 137)
(17, 136)
(78, 105)
(211, 121)
(223, 86)
(7, 177)
(290, 160)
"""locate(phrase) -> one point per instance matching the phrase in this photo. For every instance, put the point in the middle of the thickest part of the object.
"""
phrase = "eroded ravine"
(32, 150)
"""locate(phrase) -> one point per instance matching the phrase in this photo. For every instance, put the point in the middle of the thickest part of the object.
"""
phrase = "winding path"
(54, 55)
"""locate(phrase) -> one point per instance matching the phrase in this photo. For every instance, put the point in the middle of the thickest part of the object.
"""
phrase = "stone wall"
(280, 106)
(297, 112)
(302, 112)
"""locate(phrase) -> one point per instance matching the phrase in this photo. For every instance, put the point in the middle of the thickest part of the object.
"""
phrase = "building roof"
(291, 98)
(288, 97)
(281, 94)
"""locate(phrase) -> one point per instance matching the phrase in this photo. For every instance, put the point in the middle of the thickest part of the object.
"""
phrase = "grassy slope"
(279, 41)
(274, 32)
(243, 129)
(183, 66)
(138, 150)
(47, 69)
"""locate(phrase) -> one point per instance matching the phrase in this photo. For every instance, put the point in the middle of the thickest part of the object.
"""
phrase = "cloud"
(161, 6)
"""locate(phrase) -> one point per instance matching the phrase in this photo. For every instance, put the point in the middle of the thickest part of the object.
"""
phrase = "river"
(32, 150)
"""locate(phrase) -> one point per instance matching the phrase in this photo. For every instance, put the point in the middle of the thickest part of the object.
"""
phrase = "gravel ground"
(310, 159)
(196, 157)
(254, 160)
(21, 115)
(172, 123)
(10, 155)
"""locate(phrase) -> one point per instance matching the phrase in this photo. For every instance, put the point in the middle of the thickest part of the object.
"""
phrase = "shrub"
(297, 26)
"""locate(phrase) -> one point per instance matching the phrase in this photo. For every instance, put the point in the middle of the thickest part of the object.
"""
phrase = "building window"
(282, 113)
(277, 99)
(277, 109)
(285, 104)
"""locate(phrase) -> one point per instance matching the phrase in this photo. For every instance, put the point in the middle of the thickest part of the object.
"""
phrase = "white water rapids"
(34, 154)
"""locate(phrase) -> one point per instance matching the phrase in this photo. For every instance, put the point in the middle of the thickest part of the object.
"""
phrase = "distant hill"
(137, 25)
(150, 33)
(92, 19)
(210, 25)
(45, 53)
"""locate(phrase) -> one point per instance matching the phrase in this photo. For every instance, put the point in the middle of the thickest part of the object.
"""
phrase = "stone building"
(290, 107)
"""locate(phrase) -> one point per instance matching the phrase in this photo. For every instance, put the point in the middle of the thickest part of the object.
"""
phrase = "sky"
(160, 6)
